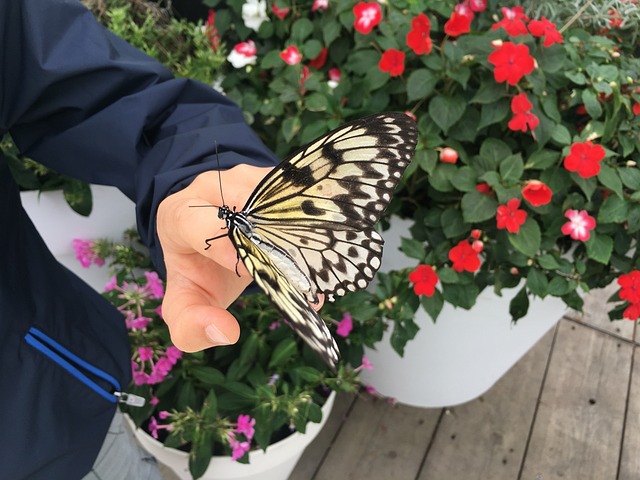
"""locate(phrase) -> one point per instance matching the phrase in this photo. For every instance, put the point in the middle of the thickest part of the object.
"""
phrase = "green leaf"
(613, 210)
(210, 407)
(519, 305)
(249, 348)
(489, 92)
(452, 223)
(445, 111)
(609, 178)
(548, 262)
(630, 177)
(478, 207)
(465, 179)
(78, 196)
(283, 352)
(440, 178)
(433, 304)
(413, 248)
(528, 238)
(537, 282)
(301, 29)
(460, 295)
(317, 102)
(512, 168)
(311, 48)
(420, 84)
(542, 159)
(493, 151)
(591, 103)
(599, 247)
(492, 113)
(290, 127)
(561, 135)
(201, 453)
(208, 375)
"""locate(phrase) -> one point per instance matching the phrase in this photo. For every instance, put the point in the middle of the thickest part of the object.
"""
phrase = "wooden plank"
(316, 451)
(596, 310)
(630, 460)
(486, 438)
(578, 427)
(379, 441)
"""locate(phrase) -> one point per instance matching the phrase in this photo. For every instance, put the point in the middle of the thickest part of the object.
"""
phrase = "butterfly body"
(308, 227)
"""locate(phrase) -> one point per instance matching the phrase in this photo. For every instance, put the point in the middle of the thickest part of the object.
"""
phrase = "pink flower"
(478, 5)
(111, 284)
(173, 354)
(512, 21)
(281, 13)
(238, 448)
(245, 426)
(366, 364)
(291, 55)
(154, 427)
(368, 15)
(145, 353)
(334, 77)
(85, 253)
(345, 326)
(579, 225)
(155, 285)
(243, 54)
(320, 5)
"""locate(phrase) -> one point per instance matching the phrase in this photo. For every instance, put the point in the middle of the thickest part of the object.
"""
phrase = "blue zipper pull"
(130, 399)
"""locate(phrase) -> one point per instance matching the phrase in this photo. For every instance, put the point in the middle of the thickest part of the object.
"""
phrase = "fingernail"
(216, 336)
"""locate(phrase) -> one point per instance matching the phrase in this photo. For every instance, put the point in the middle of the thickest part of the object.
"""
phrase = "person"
(85, 103)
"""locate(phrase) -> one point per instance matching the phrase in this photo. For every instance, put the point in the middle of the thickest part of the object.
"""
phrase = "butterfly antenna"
(219, 175)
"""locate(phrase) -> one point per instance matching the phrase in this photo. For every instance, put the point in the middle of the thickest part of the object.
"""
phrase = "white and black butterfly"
(308, 226)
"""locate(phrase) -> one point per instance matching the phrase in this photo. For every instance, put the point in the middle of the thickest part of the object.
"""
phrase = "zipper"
(81, 369)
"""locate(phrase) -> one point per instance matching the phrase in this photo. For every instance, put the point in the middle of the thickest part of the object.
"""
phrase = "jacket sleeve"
(87, 104)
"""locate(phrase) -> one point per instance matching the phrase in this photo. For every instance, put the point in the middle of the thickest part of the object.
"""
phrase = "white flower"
(254, 12)
(243, 54)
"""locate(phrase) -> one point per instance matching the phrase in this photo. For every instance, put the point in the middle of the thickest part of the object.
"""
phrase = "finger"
(194, 324)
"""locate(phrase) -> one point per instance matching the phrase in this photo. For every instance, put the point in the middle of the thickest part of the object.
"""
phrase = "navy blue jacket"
(88, 105)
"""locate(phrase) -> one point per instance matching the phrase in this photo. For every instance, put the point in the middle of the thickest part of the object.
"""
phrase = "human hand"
(201, 283)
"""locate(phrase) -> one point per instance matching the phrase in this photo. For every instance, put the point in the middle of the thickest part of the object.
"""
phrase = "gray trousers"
(121, 458)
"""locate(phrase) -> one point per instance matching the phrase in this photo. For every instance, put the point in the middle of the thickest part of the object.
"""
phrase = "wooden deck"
(569, 409)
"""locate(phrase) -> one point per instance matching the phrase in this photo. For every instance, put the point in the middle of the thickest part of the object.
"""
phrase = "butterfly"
(308, 227)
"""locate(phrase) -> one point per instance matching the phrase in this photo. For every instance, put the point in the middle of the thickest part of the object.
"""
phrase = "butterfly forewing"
(342, 182)
(312, 219)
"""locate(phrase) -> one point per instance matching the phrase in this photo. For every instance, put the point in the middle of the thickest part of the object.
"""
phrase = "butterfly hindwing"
(287, 298)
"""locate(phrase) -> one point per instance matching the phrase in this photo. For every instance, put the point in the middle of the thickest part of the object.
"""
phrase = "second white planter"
(464, 353)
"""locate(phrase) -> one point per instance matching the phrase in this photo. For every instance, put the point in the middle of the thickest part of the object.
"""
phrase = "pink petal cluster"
(345, 326)
(85, 253)
(579, 225)
(244, 426)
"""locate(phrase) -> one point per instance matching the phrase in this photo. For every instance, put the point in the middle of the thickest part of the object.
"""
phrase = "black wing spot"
(309, 208)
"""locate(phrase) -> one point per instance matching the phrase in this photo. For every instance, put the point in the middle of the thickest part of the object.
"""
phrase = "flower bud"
(476, 233)
(496, 43)
(477, 246)
(631, 163)
(514, 271)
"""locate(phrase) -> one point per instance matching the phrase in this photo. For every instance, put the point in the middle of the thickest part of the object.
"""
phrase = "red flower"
(418, 38)
(522, 116)
(484, 188)
(536, 193)
(464, 257)
(211, 30)
(291, 55)
(510, 216)
(368, 15)
(512, 21)
(392, 61)
(615, 20)
(478, 5)
(320, 60)
(424, 280)
(511, 62)
(636, 108)
(632, 312)
(459, 22)
(547, 29)
(281, 13)
(585, 159)
(630, 286)
(579, 225)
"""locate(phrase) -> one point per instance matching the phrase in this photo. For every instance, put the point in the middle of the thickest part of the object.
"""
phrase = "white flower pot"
(59, 225)
(465, 352)
(276, 463)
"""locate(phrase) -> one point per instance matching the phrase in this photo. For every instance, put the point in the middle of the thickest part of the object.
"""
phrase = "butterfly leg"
(209, 240)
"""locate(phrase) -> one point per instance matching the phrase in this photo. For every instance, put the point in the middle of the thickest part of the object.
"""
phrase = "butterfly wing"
(320, 204)
(287, 298)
